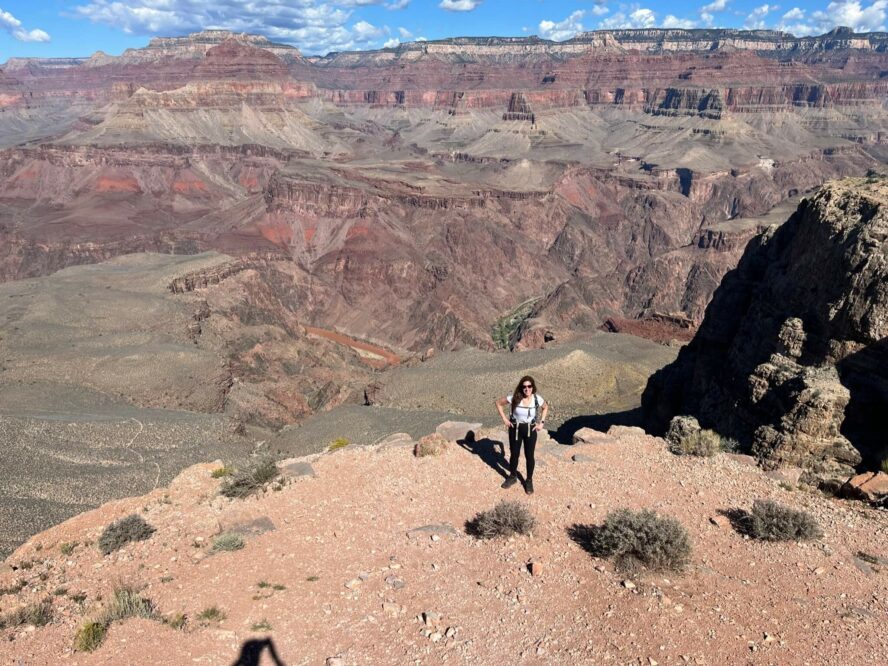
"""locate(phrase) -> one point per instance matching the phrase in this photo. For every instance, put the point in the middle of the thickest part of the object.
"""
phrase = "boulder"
(453, 431)
(869, 486)
(590, 436)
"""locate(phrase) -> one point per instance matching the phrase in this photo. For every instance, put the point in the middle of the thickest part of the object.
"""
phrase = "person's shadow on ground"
(491, 451)
(251, 653)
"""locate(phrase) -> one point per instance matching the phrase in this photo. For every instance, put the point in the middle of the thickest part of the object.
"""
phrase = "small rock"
(582, 458)
(590, 436)
(353, 584)
(394, 582)
(435, 537)
(454, 431)
(392, 609)
(430, 618)
(628, 584)
(450, 633)
(442, 529)
(297, 469)
(435, 636)
(536, 568)
(335, 661)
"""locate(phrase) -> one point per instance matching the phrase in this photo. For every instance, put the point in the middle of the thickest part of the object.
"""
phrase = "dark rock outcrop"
(792, 356)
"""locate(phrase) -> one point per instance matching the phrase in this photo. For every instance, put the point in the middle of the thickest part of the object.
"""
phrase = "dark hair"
(518, 395)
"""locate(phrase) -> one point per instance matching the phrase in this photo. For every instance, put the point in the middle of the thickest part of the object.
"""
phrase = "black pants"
(523, 433)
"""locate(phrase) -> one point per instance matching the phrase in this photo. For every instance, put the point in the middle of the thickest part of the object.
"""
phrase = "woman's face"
(527, 388)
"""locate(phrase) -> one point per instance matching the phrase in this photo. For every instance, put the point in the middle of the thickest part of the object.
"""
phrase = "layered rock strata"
(791, 358)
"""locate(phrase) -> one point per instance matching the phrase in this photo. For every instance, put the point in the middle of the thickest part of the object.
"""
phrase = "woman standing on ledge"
(527, 414)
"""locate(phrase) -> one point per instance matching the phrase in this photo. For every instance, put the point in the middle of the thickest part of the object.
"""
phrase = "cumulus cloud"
(600, 10)
(391, 43)
(756, 18)
(14, 27)
(459, 5)
(707, 11)
(674, 22)
(314, 26)
(562, 30)
(640, 17)
(397, 4)
(851, 13)
(405, 33)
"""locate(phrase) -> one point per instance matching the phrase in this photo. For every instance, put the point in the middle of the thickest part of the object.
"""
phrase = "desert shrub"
(503, 520)
(771, 521)
(36, 614)
(176, 621)
(228, 541)
(221, 472)
(89, 636)
(121, 532)
(211, 614)
(430, 445)
(338, 443)
(15, 588)
(67, 547)
(637, 539)
(126, 603)
(884, 466)
(701, 443)
(251, 479)
(264, 625)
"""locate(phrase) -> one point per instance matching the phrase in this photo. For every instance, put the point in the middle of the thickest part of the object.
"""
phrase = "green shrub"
(228, 541)
(771, 521)
(121, 532)
(223, 471)
(67, 547)
(251, 479)
(89, 636)
(638, 539)
(504, 520)
(701, 443)
(338, 443)
(37, 614)
(884, 466)
(261, 626)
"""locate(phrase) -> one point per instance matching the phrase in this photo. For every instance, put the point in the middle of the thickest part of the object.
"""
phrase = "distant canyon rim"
(368, 209)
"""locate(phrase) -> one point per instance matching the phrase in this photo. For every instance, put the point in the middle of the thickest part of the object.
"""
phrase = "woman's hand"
(538, 427)
(506, 422)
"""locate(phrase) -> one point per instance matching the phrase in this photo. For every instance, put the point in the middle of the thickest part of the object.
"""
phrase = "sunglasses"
(526, 386)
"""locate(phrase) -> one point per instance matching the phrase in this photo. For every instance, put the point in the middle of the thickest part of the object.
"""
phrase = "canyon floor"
(362, 557)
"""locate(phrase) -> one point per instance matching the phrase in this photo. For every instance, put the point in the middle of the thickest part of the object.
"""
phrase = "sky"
(63, 28)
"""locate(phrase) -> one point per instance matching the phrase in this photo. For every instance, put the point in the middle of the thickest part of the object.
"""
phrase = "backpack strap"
(536, 408)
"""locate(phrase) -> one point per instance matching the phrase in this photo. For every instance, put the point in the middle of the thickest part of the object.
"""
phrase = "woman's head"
(526, 388)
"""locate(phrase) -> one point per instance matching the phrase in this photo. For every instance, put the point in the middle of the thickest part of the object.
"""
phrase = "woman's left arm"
(545, 410)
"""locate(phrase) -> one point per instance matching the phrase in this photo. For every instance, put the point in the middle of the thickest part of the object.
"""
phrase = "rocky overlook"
(791, 357)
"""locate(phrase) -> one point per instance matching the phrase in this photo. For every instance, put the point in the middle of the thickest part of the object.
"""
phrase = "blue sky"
(54, 28)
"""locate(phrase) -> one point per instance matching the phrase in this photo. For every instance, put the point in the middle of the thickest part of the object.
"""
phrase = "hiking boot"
(510, 481)
(528, 487)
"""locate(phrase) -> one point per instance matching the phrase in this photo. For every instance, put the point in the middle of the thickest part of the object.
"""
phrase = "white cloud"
(640, 17)
(756, 18)
(315, 26)
(397, 4)
(459, 5)
(562, 30)
(405, 33)
(391, 43)
(14, 27)
(794, 14)
(852, 14)
(674, 22)
(600, 10)
(715, 6)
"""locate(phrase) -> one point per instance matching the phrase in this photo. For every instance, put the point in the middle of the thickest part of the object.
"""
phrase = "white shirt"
(526, 414)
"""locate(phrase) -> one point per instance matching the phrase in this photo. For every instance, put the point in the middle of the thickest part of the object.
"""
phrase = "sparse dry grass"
(251, 479)
(430, 445)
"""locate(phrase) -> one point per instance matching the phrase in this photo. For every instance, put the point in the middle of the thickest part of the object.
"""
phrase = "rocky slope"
(791, 357)
(355, 559)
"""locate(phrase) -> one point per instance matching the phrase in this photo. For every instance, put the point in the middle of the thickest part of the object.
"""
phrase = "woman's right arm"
(500, 403)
